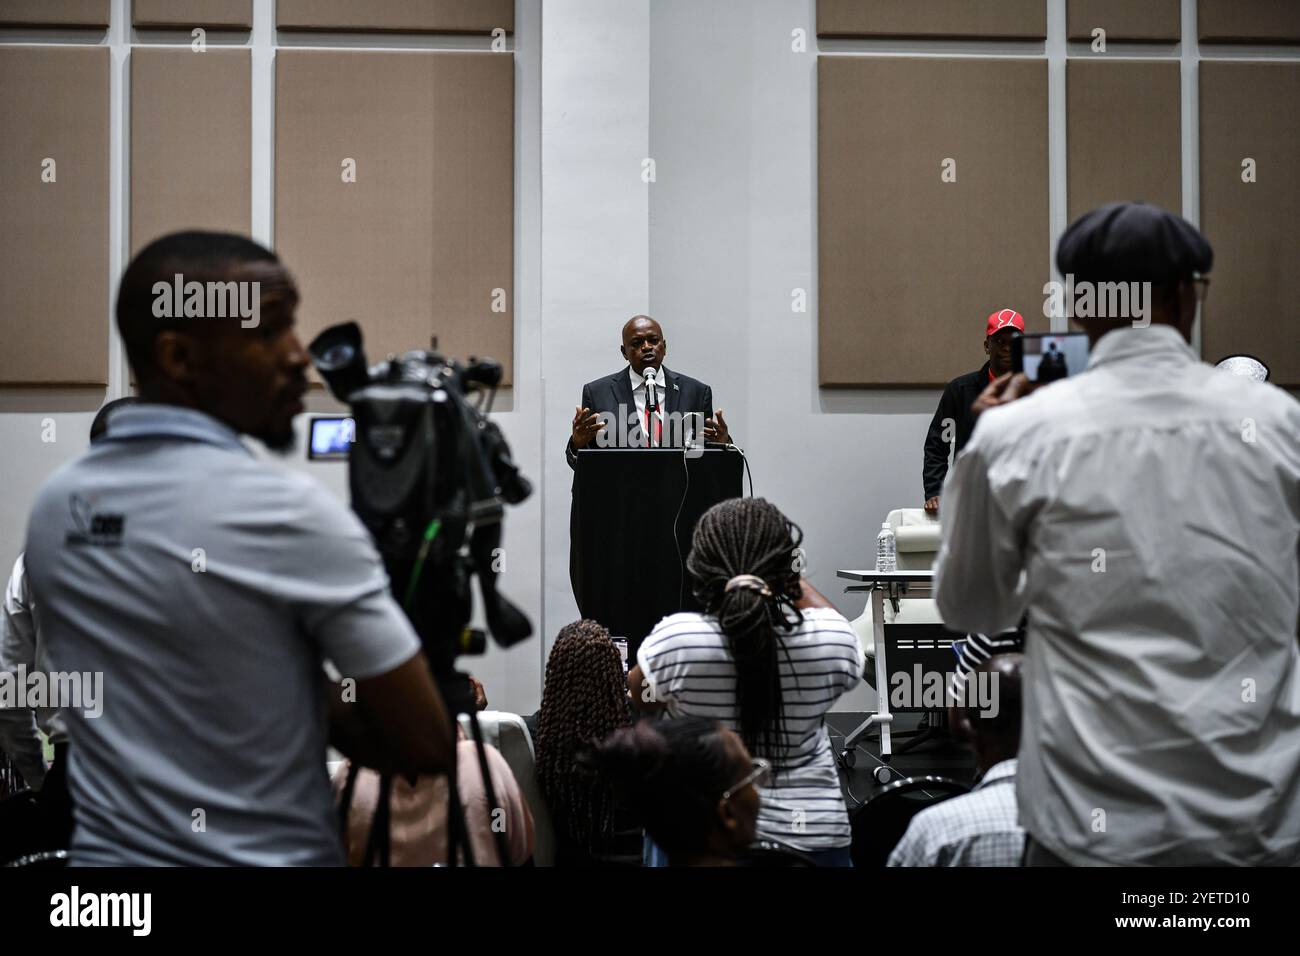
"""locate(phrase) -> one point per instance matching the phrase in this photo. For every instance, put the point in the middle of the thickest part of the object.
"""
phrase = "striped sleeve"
(660, 657)
(978, 648)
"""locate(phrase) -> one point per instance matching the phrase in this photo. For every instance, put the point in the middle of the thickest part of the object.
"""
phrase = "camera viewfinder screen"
(1051, 357)
(331, 438)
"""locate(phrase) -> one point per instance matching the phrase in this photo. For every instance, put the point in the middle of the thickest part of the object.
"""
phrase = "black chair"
(770, 853)
(45, 860)
(880, 823)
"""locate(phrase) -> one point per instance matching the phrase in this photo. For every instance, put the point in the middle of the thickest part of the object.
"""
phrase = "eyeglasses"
(757, 776)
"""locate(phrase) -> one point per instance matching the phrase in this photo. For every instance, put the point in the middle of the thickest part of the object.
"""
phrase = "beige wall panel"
(1249, 21)
(230, 14)
(54, 13)
(1124, 129)
(54, 244)
(1248, 110)
(932, 18)
(1147, 20)
(441, 16)
(190, 145)
(910, 266)
(419, 242)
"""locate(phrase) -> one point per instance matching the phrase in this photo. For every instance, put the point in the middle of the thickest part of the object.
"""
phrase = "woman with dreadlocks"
(768, 658)
(584, 700)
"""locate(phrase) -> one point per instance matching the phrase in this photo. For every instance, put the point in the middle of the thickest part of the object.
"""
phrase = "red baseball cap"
(1004, 319)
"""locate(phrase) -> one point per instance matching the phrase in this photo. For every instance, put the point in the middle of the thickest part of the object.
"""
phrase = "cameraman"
(208, 587)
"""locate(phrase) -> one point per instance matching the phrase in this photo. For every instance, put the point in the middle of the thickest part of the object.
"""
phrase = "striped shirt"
(978, 649)
(687, 666)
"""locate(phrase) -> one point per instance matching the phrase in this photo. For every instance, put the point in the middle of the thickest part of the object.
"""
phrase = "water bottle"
(886, 553)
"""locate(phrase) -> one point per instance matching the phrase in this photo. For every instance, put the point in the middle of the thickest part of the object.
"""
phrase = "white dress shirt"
(639, 396)
(1147, 514)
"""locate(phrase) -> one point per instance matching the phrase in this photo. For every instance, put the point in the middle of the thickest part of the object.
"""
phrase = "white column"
(595, 232)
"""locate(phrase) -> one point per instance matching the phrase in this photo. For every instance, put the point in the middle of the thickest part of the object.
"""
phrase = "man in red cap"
(953, 420)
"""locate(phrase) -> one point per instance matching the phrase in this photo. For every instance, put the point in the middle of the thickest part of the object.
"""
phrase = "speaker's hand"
(586, 424)
(715, 429)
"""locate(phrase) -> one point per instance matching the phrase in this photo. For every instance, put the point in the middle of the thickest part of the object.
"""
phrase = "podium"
(634, 514)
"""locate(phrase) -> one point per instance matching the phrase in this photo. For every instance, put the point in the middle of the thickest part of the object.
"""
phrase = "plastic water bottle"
(886, 549)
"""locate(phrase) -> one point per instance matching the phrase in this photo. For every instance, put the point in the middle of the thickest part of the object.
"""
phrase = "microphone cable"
(681, 562)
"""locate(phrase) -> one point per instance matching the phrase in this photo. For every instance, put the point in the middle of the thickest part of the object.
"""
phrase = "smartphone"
(330, 438)
(1049, 356)
(621, 644)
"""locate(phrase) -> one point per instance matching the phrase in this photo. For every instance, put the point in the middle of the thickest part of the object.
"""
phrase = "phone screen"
(621, 644)
(1049, 356)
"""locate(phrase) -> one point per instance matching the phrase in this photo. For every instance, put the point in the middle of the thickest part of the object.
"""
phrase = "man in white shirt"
(48, 825)
(1146, 513)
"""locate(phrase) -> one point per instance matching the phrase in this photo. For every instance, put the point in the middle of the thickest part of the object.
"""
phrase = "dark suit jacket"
(681, 394)
(955, 404)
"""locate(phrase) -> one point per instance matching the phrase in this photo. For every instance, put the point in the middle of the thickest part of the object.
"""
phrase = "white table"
(881, 583)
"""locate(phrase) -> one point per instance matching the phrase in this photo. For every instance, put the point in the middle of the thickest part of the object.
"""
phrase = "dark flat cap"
(1132, 242)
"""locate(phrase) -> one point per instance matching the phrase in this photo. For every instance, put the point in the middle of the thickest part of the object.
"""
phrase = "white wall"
(711, 90)
(733, 232)
(595, 235)
(512, 678)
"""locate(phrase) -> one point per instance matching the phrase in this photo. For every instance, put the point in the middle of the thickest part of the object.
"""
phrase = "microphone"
(651, 382)
(651, 376)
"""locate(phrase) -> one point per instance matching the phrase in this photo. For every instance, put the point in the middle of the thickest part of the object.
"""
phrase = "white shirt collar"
(638, 380)
(1003, 768)
(1140, 343)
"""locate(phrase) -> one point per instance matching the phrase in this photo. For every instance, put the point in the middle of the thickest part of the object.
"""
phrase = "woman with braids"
(693, 783)
(583, 701)
(768, 658)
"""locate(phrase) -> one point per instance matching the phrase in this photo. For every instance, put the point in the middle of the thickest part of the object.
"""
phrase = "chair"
(508, 734)
(764, 854)
(880, 823)
(46, 860)
(916, 538)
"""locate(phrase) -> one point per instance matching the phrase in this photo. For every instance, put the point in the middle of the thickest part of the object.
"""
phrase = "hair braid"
(750, 536)
(584, 700)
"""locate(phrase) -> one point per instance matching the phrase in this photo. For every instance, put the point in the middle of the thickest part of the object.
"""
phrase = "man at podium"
(644, 405)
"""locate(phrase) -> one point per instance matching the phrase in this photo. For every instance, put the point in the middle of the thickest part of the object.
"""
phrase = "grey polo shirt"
(208, 587)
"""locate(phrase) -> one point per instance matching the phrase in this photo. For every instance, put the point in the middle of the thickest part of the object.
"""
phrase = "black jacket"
(681, 394)
(955, 404)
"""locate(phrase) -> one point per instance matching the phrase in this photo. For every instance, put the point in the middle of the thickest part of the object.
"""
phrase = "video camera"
(430, 476)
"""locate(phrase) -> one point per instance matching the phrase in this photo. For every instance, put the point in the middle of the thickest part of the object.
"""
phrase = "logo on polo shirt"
(94, 526)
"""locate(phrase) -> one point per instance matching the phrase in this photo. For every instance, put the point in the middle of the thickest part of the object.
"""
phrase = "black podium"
(628, 567)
